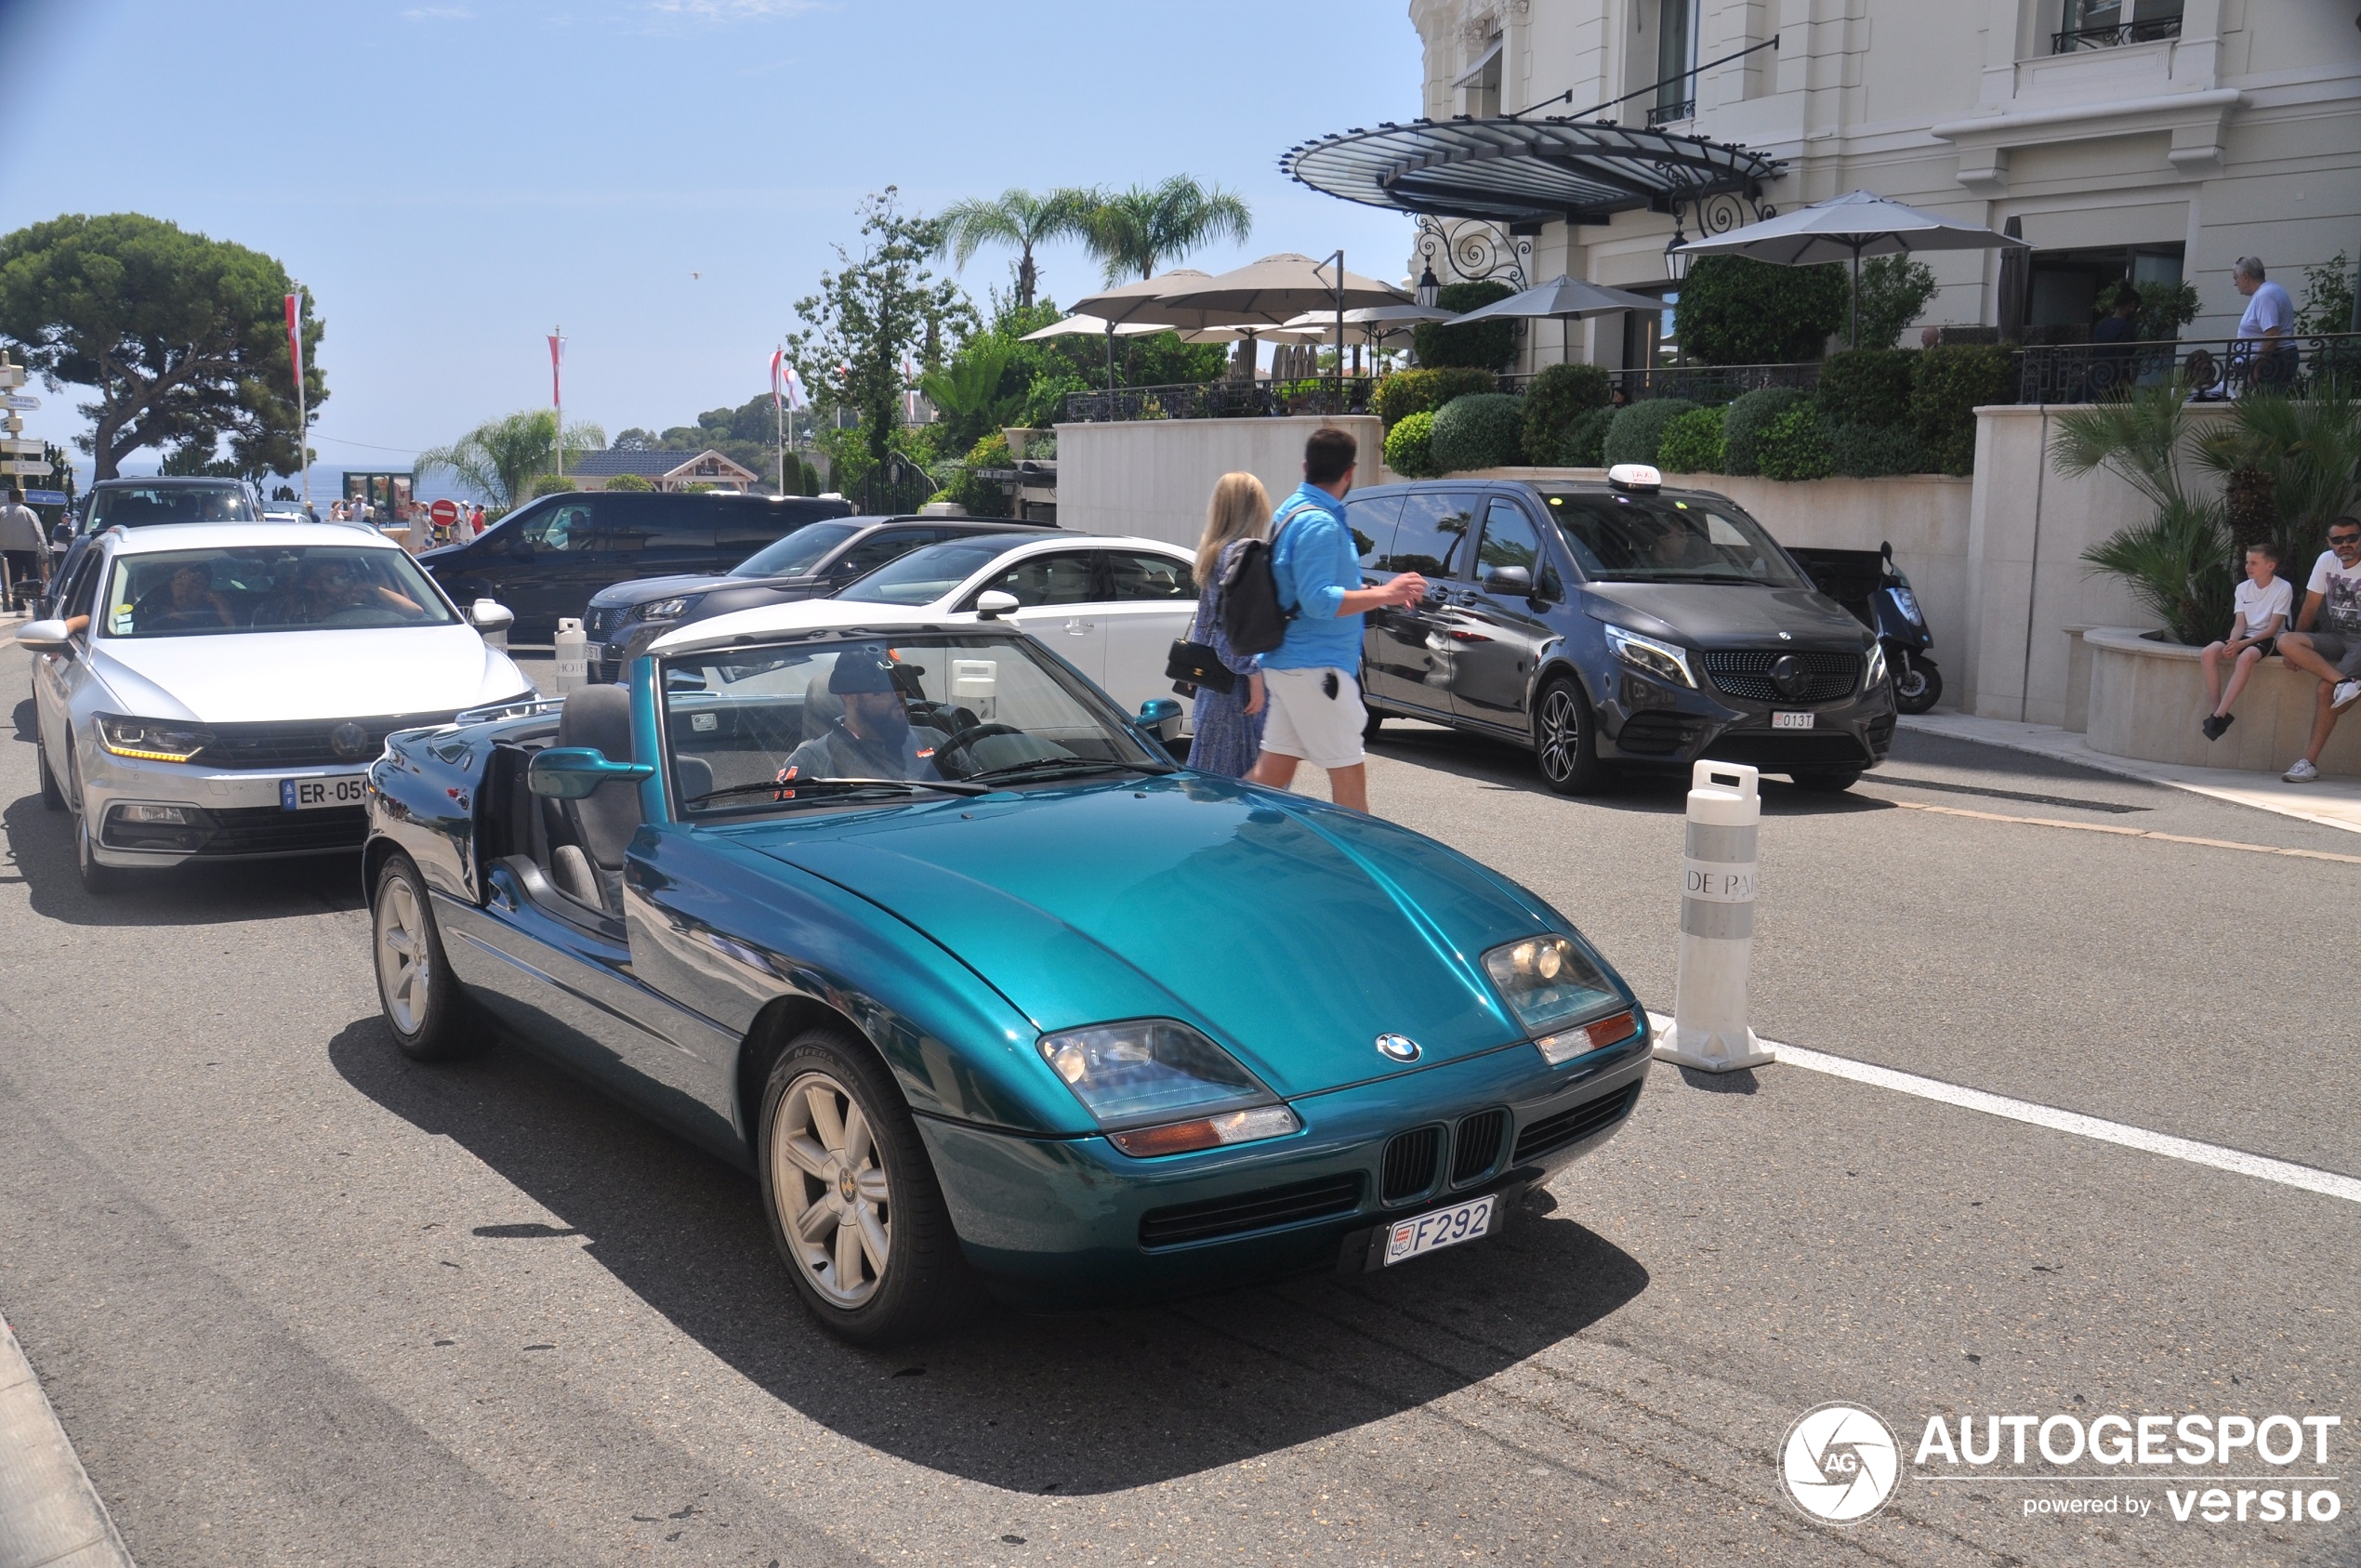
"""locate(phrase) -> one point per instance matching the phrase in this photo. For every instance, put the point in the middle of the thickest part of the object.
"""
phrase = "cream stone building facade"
(2158, 139)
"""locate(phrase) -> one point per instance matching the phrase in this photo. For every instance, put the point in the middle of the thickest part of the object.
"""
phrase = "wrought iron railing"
(2078, 38)
(1222, 400)
(1666, 113)
(2207, 367)
(896, 487)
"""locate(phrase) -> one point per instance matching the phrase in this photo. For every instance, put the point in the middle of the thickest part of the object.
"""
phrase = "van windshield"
(138, 505)
(1619, 539)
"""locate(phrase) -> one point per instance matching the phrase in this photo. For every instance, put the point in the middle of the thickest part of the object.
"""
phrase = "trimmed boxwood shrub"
(1736, 311)
(1481, 430)
(1486, 345)
(1409, 446)
(1691, 443)
(1795, 445)
(1423, 391)
(1868, 451)
(1558, 397)
(1586, 440)
(1868, 387)
(1747, 419)
(1637, 429)
(1945, 386)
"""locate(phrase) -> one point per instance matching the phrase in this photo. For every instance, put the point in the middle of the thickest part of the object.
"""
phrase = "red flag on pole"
(557, 357)
(778, 382)
(295, 336)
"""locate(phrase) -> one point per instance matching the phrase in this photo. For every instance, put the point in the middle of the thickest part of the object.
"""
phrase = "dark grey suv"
(1613, 625)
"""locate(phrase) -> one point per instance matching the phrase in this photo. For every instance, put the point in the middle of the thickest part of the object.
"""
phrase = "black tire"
(1919, 690)
(822, 1204)
(426, 1012)
(98, 880)
(1565, 739)
(52, 797)
(1826, 780)
(1370, 725)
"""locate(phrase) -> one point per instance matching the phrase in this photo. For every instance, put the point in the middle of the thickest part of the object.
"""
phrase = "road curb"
(50, 1515)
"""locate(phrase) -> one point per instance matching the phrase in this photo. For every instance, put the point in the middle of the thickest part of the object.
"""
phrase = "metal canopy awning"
(1526, 172)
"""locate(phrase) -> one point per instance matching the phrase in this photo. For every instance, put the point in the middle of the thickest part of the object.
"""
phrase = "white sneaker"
(2302, 772)
(2344, 696)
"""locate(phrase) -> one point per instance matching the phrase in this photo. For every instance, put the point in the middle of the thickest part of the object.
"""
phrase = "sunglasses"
(2344, 538)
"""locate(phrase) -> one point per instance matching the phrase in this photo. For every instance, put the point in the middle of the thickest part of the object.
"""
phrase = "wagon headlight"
(1160, 1087)
(151, 740)
(665, 609)
(1664, 659)
(1875, 678)
(1552, 986)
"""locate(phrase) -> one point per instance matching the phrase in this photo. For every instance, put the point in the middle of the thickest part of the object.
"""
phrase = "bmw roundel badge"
(1398, 1047)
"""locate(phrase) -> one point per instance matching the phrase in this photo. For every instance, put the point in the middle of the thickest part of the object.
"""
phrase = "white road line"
(2262, 1168)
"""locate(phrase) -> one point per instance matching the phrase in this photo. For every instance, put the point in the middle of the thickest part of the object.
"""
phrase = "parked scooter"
(1870, 585)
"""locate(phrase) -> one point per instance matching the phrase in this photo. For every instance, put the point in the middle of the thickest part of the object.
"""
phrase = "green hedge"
(1947, 384)
(1558, 397)
(1485, 345)
(1734, 310)
(1409, 446)
(1795, 445)
(1868, 387)
(1746, 421)
(1423, 391)
(1634, 435)
(1586, 440)
(1869, 451)
(1691, 443)
(1481, 430)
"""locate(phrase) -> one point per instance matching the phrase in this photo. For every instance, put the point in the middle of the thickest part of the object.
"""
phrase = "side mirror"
(574, 772)
(1163, 716)
(1514, 580)
(45, 637)
(992, 605)
(488, 615)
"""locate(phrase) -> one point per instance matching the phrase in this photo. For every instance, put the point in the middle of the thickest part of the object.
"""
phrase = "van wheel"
(1565, 740)
(1826, 780)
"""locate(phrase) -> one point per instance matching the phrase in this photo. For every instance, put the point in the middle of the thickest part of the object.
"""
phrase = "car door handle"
(1081, 628)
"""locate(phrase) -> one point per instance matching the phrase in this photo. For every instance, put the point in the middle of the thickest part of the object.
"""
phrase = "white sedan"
(1110, 607)
(217, 691)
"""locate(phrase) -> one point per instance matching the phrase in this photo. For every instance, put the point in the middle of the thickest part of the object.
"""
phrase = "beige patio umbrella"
(1279, 288)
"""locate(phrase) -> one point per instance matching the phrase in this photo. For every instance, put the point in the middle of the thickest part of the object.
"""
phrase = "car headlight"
(1557, 991)
(151, 740)
(1160, 1087)
(1877, 669)
(1663, 660)
(665, 609)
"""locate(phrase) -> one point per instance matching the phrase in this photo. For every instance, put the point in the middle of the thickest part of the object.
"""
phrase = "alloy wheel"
(1561, 733)
(834, 1192)
(404, 972)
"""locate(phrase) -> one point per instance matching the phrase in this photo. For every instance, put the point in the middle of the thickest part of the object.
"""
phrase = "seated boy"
(2262, 604)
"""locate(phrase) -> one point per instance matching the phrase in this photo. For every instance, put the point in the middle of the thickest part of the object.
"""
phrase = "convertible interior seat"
(588, 840)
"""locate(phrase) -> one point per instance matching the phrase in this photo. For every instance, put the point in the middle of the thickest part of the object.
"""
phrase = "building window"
(2103, 24)
(1677, 61)
(1480, 84)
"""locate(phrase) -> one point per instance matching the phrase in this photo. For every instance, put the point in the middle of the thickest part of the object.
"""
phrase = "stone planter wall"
(2146, 698)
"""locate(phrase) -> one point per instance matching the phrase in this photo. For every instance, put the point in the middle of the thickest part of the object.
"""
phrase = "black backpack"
(1252, 617)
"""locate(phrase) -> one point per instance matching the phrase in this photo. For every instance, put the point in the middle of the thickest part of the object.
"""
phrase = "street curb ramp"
(50, 1515)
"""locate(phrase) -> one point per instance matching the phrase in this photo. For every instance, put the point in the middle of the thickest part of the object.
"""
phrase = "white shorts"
(1305, 722)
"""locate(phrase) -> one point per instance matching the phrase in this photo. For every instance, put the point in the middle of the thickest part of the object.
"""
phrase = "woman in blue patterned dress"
(1228, 724)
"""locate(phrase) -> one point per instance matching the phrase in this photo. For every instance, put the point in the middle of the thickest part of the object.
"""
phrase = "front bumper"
(1066, 1221)
(610, 655)
(1648, 721)
(231, 815)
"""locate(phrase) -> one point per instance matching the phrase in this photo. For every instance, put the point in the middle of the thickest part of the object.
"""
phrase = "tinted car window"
(797, 553)
(137, 506)
(925, 575)
(877, 549)
(567, 528)
(1509, 539)
(1372, 523)
(1656, 539)
(674, 523)
(1149, 576)
(1433, 532)
(1067, 577)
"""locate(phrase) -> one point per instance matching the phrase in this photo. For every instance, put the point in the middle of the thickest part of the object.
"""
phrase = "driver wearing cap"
(874, 739)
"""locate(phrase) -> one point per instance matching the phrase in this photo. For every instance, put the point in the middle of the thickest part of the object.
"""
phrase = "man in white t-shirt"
(2327, 641)
(2268, 322)
(2260, 614)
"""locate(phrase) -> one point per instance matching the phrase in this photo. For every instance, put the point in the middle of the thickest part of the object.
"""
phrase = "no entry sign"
(445, 512)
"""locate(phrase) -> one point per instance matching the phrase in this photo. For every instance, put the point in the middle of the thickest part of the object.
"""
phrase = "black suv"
(1616, 624)
(547, 559)
(812, 563)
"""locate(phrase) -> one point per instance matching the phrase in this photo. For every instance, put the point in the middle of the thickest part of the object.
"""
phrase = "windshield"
(137, 506)
(923, 576)
(1656, 539)
(797, 553)
(204, 593)
(788, 727)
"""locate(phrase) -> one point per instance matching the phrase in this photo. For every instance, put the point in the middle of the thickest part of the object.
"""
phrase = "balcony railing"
(1222, 400)
(2207, 367)
(2078, 38)
(1666, 113)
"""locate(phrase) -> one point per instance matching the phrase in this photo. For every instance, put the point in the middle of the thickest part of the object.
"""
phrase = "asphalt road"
(299, 1301)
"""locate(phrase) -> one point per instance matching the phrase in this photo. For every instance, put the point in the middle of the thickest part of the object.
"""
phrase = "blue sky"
(663, 177)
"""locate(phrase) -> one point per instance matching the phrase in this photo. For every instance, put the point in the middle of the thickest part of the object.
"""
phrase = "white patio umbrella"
(1564, 298)
(1278, 289)
(1082, 325)
(1849, 227)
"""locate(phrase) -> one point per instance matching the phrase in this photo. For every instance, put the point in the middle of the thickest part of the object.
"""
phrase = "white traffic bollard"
(1709, 1027)
(498, 636)
(573, 655)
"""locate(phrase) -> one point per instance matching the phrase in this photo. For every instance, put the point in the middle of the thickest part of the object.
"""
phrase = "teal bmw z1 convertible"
(908, 920)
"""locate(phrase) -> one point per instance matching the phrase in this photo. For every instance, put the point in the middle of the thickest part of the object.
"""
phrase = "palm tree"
(501, 457)
(1014, 218)
(2178, 562)
(1140, 229)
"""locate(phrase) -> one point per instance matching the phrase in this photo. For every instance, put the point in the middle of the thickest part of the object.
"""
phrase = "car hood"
(640, 590)
(1293, 933)
(1726, 615)
(340, 673)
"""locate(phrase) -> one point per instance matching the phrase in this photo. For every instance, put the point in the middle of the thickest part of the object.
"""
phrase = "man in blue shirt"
(1312, 680)
(2269, 319)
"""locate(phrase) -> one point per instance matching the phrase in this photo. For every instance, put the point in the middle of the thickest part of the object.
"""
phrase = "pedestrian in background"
(2268, 322)
(1228, 724)
(2327, 641)
(21, 542)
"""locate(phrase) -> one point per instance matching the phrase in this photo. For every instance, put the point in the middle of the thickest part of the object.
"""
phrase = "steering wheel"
(969, 736)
